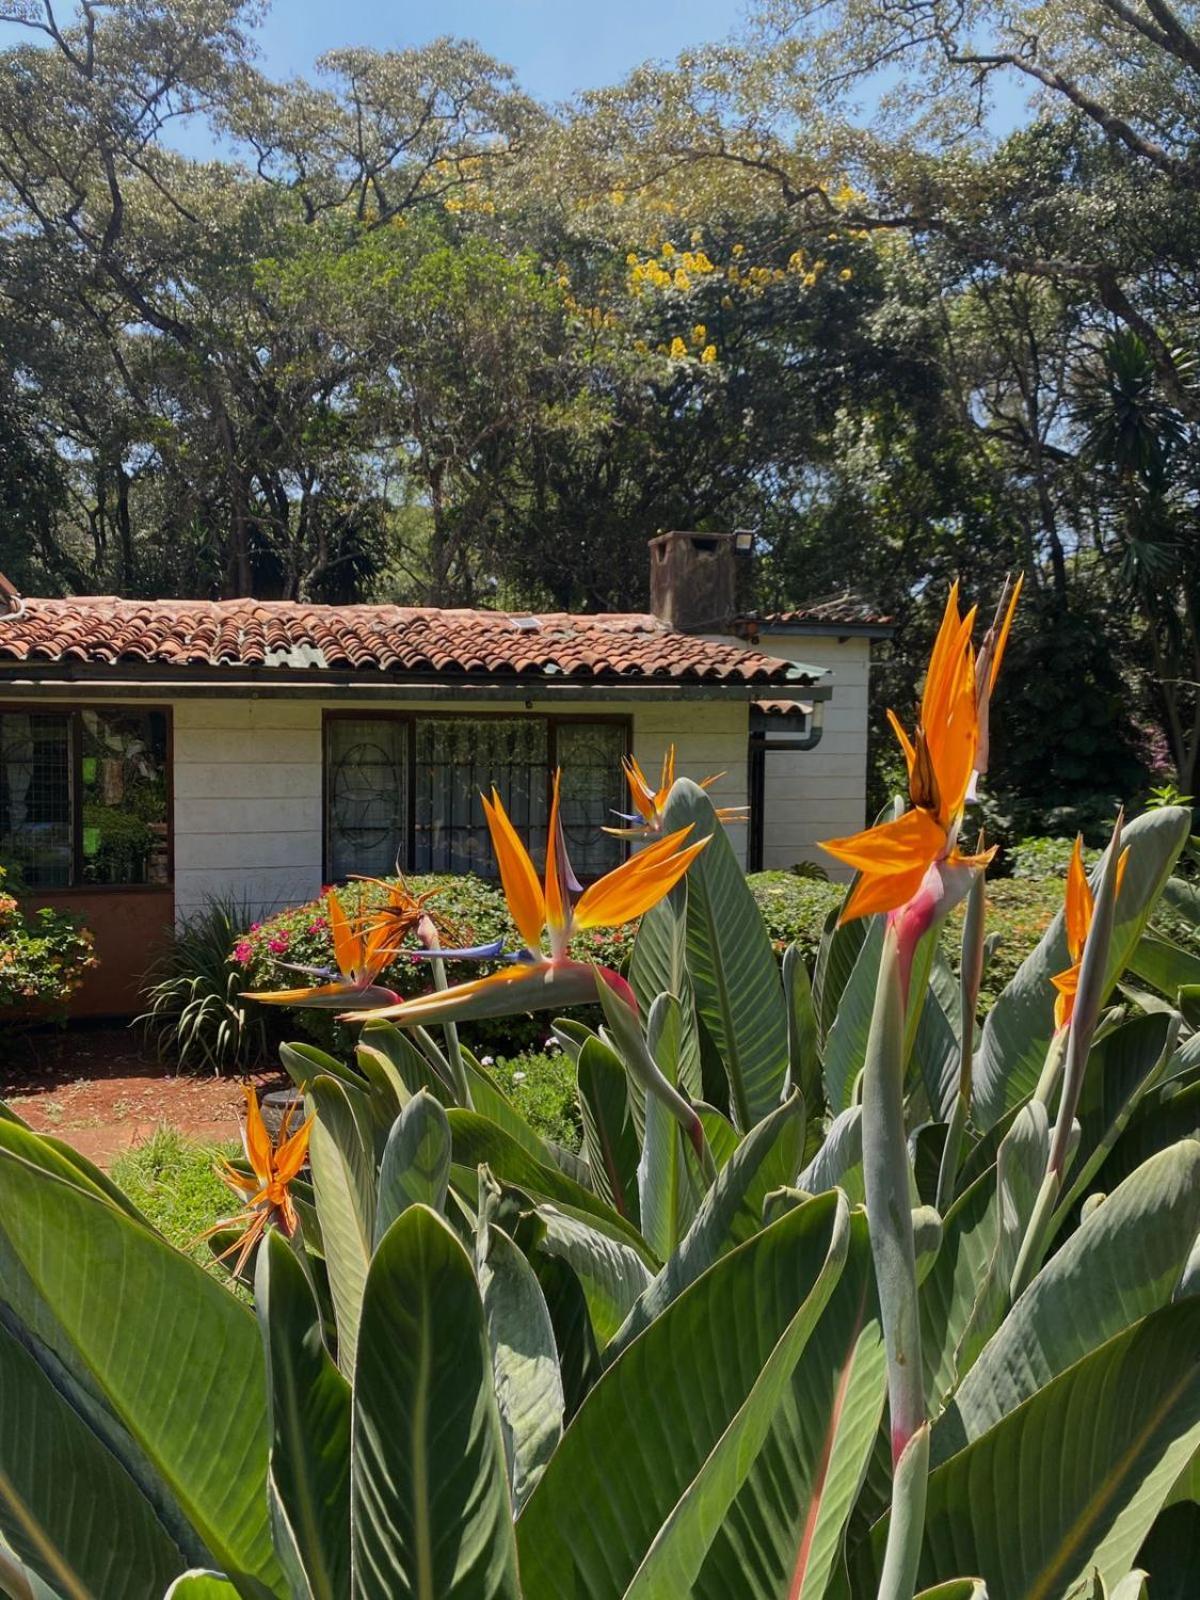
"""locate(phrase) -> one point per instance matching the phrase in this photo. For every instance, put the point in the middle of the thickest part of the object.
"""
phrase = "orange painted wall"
(130, 928)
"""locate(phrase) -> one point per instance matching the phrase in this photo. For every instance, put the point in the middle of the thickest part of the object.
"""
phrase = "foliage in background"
(44, 956)
(173, 1182)
(195, 1012)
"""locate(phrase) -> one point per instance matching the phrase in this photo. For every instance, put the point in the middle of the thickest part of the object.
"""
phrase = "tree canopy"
(403, 333)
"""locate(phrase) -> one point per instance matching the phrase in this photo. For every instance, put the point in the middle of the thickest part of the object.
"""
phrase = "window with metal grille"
(84, 797)
(404, 790)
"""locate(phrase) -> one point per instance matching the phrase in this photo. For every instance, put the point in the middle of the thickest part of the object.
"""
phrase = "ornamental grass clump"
(849, 1290)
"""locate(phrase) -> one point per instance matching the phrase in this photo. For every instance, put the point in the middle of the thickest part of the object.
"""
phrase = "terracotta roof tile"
(847, 608)
(102, 630)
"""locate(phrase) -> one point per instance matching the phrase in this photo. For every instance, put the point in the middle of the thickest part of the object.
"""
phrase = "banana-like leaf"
(730, 1213)
(68, 1508)
(529, 1388)
(1122, 1067)
(608, 1131)
(479, 1142)
(658, 965)
(846, 1042)
(784, 1531)
(611, 1274)
(1121, 1264)
(431, 1512)
(343, 1169)
(1165, 966)
(574, 1339)
(1019, 1026)
(416, 1162)
(309, 1471)
(723, 1138)
(408, 1066)
(965, 1293)
(836, 956)
(128, 1313)
(1072, 1480)
(804, 1051)
(670, 1183)
(936, 1050)
(956, 1589)
(304, 1062)
(656, 1486)
(1166, 1115)
(839, 1161)
(733, 968)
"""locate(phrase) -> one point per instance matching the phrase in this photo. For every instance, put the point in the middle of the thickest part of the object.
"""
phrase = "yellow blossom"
(633, 259)
(699, 333)
(739, 250)
(678, 348)
(681, 279)
(697, 235)
(668, 249)
(617, 196)
(709, 354)
(640, 346)
(845, 275)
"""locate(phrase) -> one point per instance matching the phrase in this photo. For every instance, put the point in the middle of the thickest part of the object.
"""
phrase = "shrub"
(195, 1011)
(1044, 858)
(541, 1084)
(43, 957)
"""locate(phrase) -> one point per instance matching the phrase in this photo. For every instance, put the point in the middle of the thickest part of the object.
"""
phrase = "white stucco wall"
(248, 782)
(822, 793)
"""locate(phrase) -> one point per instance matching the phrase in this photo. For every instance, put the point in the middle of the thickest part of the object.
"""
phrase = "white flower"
(519, 1077)
(487, 1061)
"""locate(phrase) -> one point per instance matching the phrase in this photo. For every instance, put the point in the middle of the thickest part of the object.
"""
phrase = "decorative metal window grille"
(405, 791)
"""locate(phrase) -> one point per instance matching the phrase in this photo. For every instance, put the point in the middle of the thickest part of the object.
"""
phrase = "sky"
(556, 46)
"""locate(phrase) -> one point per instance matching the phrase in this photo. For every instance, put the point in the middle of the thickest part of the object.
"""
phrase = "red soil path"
(100, 1088)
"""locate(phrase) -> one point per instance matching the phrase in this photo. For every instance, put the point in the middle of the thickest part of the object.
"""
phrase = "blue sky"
(556, 46)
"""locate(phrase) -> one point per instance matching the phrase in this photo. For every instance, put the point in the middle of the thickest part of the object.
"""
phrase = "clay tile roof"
(101, 630)
(847, 609)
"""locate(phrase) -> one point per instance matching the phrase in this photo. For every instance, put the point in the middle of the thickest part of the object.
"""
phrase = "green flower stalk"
(970, 980)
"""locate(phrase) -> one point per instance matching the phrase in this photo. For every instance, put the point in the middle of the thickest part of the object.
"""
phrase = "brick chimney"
(693, 579)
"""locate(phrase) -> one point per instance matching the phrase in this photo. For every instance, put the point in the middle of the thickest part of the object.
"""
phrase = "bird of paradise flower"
(647, 817)
(267, 1191)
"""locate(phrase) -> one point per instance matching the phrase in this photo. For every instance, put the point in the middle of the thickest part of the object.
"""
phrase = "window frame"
(553, 720)
(73, 710)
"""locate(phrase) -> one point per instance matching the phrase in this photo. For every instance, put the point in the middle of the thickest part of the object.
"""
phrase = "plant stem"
(906, 1525)
(970, 979)
(889, 1214)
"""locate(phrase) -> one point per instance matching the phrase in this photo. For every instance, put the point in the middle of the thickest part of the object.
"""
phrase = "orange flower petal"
(346, 947)
(915, 839)
(906, 744)
(522, 890)
(255, 1138)
(637, 884)
(290, 1156)
(558, 907)
(1080, 902)
(886, 891)
(1002, 634)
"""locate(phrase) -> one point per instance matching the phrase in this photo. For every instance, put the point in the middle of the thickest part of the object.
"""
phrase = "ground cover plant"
(855, 1287)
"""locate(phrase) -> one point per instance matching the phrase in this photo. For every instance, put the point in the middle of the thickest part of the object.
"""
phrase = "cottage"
(155, 753)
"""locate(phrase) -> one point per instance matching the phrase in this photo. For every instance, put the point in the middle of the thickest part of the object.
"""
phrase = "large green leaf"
(309, 1470)
(612, 1275)
(836, 955)
(1122, 1067)
(343, 1169)
(416, 1162)
(804, 1051)
(730, 1213)
(670, 1183)
(529, 1388)
(1073, 1479)
(965, 1293)
(658, 965)
(839, 1161)
(846, 1042)
(197, 1585)
(663, 1442)
(1171, 1552)
(479, 1142)
(609, 1135)
(733, 968)
(784, 1531)
(1019, 1026)
(1122, 1263)
(68, 1507)
(432, 1518)
(1166, 966)
(175, 1357)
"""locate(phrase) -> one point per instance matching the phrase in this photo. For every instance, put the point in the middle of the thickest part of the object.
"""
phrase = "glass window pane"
(593, 787)
(366, 794)
(35, 799)
(123, 837)
(456, 758)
